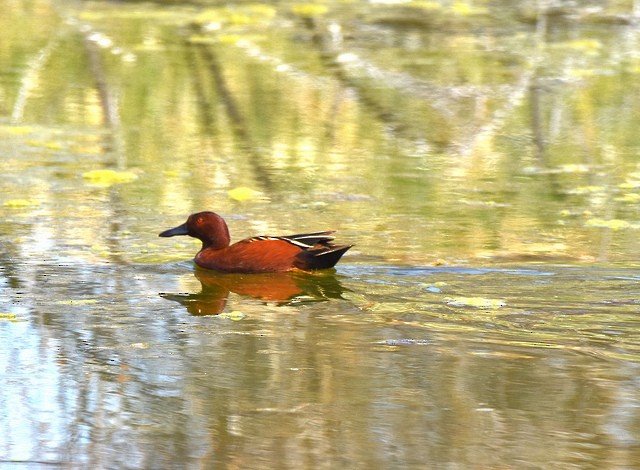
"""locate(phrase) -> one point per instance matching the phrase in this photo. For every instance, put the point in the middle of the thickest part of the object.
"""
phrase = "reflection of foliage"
(489, 118)
(467, 130)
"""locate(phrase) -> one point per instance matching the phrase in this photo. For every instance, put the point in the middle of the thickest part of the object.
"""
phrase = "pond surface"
(483, 157)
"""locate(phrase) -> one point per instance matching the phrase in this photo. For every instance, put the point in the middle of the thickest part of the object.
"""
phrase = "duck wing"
(316, 249)
(313, 238)
(303, 240)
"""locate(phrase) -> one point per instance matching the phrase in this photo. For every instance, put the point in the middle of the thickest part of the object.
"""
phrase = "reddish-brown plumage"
(261, 254)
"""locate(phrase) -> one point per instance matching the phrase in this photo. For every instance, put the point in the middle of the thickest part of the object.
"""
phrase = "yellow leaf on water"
(51, 145)
(18, 130)
(461, 8)
(21, 203)
(234, 316)
(12, 317)
(242, 193)
(629, 184)
(109, 177)
(477, 302)
(229, 38)
(589, 46)
(587, 190)
(613, 224)
(629, 197)
(309, 10)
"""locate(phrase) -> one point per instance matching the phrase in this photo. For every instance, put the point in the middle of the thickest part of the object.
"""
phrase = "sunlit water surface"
(481, 156)
(400, 367)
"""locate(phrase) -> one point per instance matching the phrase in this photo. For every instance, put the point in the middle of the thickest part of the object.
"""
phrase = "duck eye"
(199, 220)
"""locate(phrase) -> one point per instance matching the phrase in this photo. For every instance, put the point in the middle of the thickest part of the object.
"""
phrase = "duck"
(260, 254)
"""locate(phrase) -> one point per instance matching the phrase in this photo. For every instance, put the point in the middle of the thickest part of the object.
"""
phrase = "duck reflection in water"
(284, 288)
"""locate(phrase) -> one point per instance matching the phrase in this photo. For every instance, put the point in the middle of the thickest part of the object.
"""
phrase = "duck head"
(208, 227)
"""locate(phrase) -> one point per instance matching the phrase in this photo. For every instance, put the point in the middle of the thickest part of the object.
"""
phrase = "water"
(482, 158)
(401, 374)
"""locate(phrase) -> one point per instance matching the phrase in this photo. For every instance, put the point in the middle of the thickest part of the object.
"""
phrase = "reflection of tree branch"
(229, 102)
(512, 101)
(111, 120)
(392, 116)
(527, 86)
(239, 125)
(203, 99)
(330, 59)
(30, 79)
(539, 142)
(110, 116)
(108, 103)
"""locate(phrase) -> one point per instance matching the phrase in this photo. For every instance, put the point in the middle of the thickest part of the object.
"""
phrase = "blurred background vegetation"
(423, 130)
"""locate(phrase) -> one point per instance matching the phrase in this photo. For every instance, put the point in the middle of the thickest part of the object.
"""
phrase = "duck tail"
(322, 256)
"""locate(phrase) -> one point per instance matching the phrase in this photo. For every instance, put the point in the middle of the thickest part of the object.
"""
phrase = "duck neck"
(220, 241)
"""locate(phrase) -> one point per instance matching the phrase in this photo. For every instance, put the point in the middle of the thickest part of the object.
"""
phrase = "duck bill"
(179, 230)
